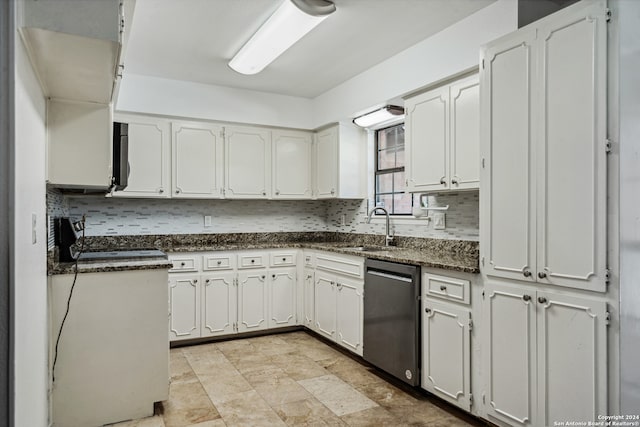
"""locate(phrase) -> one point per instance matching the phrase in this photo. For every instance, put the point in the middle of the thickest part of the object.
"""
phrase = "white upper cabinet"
(464, 148)
(427, 133)
(79, 144)
(196, 160)
(442, 138)
(149, 157)
(340, 163)
(292, 157)
(76, 49)
(247, 163)
(543, 208)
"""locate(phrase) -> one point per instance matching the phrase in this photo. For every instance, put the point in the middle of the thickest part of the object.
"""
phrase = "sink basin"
(370, 248)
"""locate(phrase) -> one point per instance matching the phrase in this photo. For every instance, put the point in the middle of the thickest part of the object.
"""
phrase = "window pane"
(384, 183)
(386, 201)
(402, 203)
(386, 159)
(398, 182)
(400, 156)
(391, 137)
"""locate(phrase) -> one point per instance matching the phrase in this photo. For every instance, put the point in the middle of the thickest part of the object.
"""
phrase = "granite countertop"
(457, 255)
(101, 266)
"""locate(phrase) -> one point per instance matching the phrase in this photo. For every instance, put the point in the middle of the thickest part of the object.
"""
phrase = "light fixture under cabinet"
(290, 22)
(377, 117)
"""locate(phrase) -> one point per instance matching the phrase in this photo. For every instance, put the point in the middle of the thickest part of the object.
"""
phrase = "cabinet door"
(326, 164)
(184, 306)
(325, 305)
(572, 154)
(219, 304)
(464, 141)
(196, 160)
(349, 314)
(509, 321)
(252, 301)
(282, 297)
(292, 165)
(446, 357)
(572, 358)
(309, 286)
(248, 163)
(427, 133)
(508, 243)
(149, 157)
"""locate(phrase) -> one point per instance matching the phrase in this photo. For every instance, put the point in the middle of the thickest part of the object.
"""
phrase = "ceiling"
(193, 40)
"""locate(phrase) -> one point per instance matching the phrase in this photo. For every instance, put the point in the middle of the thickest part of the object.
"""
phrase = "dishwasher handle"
(389, 276)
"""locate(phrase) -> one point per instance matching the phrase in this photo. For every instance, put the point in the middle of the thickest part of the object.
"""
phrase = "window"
(389, 172)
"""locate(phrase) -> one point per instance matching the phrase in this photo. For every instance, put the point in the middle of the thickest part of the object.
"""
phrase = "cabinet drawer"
(218, 262)
(184, 263)
(449, 288)
(252, 260)
(282, 259)
(349, 266)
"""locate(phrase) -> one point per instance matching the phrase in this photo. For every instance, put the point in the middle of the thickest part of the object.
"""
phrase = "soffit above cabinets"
(194, 40)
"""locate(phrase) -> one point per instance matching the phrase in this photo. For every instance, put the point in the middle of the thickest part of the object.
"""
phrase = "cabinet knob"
(273, 276)
(526, 272)
(526, 298)
(333, 191)
(263, 277)
(454, 181)
(443, 288)
(442, 181)
(264, 193)
(284, 259)
(427, 310)
(195, 280)
(206, 281)
(182, 264)
(219, 262)
(177, 191)
(542, 300)
(277, 192)
(542, 274)
(309, 276)
(160, 191)
(252, 261)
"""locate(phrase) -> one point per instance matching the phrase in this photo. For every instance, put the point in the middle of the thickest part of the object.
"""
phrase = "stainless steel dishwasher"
(392, 318)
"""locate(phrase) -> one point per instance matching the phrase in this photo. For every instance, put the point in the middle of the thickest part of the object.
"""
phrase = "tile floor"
(286, 379)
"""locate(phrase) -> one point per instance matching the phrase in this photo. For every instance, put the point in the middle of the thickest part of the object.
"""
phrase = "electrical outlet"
(439, 221)
(207, 220)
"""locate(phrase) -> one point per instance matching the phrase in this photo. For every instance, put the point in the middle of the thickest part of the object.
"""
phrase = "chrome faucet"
(388, 238)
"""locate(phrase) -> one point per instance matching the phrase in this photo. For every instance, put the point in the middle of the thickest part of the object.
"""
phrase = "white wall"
(29, 262)
(154, 95)
(449, 52)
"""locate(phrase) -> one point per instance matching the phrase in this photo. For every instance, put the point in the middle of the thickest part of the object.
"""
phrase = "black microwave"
(120, 168)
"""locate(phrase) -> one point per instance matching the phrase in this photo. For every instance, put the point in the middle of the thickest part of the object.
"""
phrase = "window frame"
(377, 172)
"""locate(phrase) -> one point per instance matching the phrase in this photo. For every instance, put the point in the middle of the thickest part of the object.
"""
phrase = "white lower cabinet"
(282, 297)
(349, 314)
(546, 355)
(252, 301)
(446, 336)
(209, 296)
(338, 299)
(308, 289)
(219, 304)
(446, 355)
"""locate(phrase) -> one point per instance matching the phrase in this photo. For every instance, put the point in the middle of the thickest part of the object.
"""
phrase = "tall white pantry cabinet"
(543, 219)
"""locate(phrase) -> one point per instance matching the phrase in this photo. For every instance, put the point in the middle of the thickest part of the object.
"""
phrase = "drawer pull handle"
(443, 288)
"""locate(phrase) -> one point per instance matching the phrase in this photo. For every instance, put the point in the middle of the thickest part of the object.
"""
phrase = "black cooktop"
(121, 255)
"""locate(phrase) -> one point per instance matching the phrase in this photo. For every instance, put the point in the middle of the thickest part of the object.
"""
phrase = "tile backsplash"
(115, 216)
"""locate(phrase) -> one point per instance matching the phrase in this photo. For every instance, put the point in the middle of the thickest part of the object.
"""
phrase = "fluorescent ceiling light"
(290, 22)
(384, 114)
